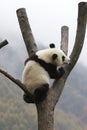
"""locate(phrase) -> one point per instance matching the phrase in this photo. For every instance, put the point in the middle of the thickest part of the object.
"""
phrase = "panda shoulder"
(33, 57)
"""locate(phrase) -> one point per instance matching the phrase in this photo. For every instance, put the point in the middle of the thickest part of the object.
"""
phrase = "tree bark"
(45, 109)
(26, 31)
(45, 112)
(64, 39)
(80, 34)
(79, 41)
(4, 43)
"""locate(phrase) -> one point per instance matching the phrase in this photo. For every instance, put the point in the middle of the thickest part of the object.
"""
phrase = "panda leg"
(28, 98)
(41, 93)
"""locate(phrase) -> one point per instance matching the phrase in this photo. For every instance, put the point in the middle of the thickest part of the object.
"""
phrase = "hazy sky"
(46, 18)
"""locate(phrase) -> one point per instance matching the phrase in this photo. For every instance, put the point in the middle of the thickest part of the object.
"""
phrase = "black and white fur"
(40, 68)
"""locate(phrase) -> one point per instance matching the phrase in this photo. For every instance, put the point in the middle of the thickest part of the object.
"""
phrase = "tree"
(45, 109)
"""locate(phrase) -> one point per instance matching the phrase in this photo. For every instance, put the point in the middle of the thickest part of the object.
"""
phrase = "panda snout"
(67, 61)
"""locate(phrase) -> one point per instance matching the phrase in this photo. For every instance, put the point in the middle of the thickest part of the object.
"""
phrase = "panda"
(38, 70)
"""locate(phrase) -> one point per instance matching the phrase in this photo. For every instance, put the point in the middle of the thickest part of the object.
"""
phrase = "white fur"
(46, 55)
(34, 75)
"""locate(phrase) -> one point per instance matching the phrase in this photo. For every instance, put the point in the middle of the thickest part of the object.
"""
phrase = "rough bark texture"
(80, 34)
(79, 41)
(45, 110)
(58, 85)
(64, 39)
(26, 31)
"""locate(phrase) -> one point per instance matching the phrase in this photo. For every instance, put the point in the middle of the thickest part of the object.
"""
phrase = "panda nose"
(67, 61)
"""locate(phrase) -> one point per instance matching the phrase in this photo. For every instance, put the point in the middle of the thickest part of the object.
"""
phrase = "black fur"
(63, 58)
(28, 99)
(41, 93)
(54, 56)
(50, 68)
(52, 45)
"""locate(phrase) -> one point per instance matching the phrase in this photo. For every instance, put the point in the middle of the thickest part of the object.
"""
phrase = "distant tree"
(45, 109)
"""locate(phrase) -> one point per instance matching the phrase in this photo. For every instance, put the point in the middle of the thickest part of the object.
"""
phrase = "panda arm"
(56, 74)
(60, 73)
(50, 68)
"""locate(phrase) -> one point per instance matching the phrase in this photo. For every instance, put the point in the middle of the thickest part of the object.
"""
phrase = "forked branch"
(32, 47)
(79, 41)
(45, 109)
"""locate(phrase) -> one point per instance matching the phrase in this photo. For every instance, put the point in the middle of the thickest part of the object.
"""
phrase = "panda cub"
(40, 68)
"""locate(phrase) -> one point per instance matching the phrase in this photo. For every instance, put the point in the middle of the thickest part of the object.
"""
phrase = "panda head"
(59, 58)
(54, 56)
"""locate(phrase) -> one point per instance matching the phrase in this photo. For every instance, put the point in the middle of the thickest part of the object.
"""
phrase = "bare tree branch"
(58, 85)
(26, 31)
(4, 43)
(81, 29)
(19, 84)
(64, 39)
(45, 109)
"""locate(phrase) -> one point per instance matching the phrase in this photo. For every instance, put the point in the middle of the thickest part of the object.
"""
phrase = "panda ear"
(52, 45)
(54, 56)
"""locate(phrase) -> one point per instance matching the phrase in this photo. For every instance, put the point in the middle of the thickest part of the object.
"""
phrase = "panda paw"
(41, 93)
(61, 71)
(28, 99)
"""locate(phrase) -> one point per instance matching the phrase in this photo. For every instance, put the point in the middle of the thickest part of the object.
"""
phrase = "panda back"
(34, 75)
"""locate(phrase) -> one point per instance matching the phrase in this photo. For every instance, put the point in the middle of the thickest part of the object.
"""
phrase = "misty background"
(46, 18)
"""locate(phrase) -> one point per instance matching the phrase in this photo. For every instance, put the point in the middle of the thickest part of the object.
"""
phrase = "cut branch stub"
(64, 39)
(58, 85)
(26, 31)
(4, 43)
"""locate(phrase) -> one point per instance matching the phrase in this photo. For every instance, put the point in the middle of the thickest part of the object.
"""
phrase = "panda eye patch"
(54, 56)
(63, 58)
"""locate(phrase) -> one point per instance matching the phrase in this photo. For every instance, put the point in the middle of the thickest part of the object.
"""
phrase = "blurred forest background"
(15, 114)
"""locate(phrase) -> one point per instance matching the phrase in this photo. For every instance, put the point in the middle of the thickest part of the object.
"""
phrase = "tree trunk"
(45, 117)
(45, 110)
(45, 114)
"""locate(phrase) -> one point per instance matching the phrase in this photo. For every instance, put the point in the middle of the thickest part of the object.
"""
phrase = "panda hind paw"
(41, 93)
(28, 99)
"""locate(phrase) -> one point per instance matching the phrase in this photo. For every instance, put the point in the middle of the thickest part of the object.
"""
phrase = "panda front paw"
(61, 71)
